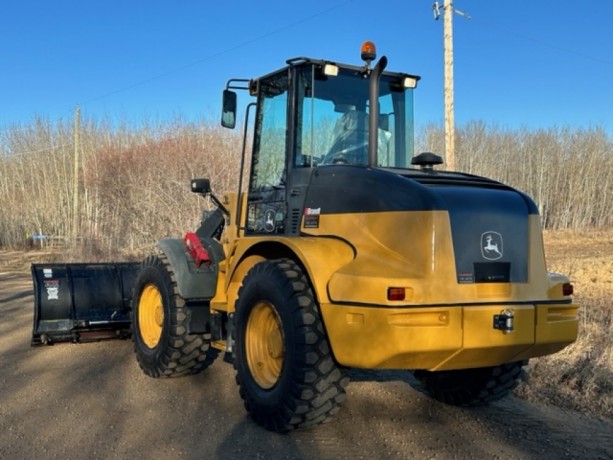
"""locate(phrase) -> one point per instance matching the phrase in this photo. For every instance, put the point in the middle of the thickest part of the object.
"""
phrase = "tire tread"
(182, 354)
(317, 384)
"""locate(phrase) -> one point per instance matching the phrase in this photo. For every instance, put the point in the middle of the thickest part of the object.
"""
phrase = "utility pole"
(75, 176)
(448, 11)
(449, 115)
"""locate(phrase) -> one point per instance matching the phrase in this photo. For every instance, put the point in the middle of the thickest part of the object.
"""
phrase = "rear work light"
(396, 293)
(409, 82)
(331, 70)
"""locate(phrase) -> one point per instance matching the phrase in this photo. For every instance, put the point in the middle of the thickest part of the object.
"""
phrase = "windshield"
(332, 120)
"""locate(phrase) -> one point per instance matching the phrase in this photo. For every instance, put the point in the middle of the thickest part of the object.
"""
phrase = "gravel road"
(92, 401)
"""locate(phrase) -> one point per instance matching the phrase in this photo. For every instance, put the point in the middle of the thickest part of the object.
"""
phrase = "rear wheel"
(162, 344)
(287, 376)
(471, 387)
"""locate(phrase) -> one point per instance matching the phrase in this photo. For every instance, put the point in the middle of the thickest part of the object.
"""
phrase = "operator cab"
(314, 114)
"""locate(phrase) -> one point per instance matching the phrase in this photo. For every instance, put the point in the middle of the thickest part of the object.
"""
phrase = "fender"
(193, 282)
(320, 256)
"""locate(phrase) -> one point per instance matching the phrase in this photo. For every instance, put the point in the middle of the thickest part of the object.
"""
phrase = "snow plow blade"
(81, 302)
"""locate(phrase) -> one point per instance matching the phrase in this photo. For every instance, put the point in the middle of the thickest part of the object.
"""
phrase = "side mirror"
(202, 186)
(228, 114)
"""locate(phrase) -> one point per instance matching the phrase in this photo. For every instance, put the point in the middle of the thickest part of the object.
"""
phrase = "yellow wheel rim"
(150, 315)
(264, 345)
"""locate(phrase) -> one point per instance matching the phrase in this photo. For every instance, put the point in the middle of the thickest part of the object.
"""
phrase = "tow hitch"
(504, 321)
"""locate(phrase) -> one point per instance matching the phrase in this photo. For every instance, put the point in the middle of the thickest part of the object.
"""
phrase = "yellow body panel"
(556, 327)
(351, 261)
(419, 258)
(321, 257)
(443, 337)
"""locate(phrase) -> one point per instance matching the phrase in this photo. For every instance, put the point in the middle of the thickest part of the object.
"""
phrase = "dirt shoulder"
(71, 401)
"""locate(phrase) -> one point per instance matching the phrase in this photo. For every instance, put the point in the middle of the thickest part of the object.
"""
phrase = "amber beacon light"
(368, 51)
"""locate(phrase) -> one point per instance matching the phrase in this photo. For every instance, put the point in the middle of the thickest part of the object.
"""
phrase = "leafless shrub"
(568, 172)
(133, 184)
(134, 189)
(133, 181)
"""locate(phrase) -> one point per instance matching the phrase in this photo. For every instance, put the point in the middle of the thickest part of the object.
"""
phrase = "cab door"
(267, 200)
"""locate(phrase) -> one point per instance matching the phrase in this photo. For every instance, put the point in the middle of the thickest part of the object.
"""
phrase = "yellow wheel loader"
(343, 250)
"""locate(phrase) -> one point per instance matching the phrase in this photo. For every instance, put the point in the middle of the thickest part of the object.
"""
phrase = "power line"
(207, 58)
(41, 150)
(541, 42)
(220, 53)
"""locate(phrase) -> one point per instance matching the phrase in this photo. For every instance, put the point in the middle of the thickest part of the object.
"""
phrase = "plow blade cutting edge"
(81, 302)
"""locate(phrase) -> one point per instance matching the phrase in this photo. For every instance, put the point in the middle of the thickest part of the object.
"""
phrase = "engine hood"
(489, 220)
(490, 231)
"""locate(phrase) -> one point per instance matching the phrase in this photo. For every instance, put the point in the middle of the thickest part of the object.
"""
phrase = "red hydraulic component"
(196, 250)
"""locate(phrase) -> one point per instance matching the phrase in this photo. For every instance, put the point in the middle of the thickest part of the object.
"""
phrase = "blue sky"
(517, 63)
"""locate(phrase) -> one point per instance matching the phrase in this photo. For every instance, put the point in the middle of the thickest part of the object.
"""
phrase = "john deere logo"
(491, 245)
(269, 220)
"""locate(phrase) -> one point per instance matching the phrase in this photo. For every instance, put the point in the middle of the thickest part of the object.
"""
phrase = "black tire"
(162, 345)
(471, 387)
(287, 375)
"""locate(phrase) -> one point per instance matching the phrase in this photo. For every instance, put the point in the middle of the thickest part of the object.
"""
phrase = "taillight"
(567, 289)
(396, 293)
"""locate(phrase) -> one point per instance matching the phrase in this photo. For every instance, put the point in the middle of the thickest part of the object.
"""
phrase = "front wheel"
(162, 344)
(471, 387)
(284, 366)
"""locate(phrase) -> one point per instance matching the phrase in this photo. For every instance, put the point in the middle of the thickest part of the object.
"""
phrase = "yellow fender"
(319, 256)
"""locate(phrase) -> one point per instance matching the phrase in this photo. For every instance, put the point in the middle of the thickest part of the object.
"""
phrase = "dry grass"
(580, 377)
